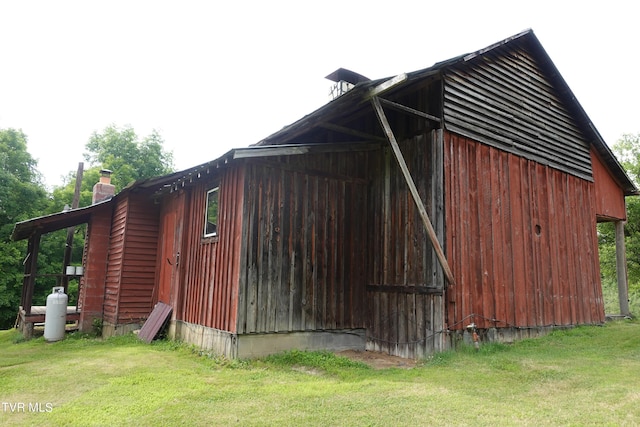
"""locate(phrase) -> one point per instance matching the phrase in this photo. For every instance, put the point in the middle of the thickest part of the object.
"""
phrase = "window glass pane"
(211, 225)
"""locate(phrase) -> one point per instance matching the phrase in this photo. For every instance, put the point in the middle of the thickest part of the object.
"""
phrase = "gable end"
(504, 99)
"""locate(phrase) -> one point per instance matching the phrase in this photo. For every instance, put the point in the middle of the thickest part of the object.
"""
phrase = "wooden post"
(30, 271)
(621, 269)
(70, 231)
(412, 188)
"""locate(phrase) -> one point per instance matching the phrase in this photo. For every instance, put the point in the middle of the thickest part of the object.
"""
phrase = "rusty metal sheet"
(154, 323)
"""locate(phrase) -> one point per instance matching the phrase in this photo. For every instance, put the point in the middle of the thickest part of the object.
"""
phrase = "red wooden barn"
(391, 219)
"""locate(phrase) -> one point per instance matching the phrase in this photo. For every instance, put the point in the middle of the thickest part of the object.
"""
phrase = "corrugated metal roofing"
(154, 323)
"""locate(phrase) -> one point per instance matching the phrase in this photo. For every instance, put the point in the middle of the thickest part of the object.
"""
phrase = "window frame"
(206, 232)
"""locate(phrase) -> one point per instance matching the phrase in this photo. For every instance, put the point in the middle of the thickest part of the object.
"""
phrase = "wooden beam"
(412, 188)
(621, 270)
(268, 151)
(395, 289)
(409, 110)
(387, 84)
(304, 148)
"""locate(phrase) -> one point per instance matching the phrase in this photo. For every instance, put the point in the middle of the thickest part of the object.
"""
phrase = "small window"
(211, 219)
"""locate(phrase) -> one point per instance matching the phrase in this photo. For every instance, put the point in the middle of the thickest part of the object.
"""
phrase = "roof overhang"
(58, 221)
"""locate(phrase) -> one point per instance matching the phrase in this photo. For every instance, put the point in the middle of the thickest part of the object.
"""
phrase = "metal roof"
(57, 221)
(347, 76)
(285, 141)
(359, 95)
(358, 99)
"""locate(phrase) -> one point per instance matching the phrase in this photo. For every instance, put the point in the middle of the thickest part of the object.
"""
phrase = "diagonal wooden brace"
(412, 188)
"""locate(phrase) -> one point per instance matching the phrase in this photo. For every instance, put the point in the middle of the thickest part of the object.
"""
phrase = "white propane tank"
(55, 318)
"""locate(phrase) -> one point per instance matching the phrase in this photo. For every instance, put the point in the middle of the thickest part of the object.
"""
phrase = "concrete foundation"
(501, 335)
(208, 339)
(258, 345)
(110, 330)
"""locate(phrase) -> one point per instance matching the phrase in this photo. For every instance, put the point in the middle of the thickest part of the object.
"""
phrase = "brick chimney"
(103, 189)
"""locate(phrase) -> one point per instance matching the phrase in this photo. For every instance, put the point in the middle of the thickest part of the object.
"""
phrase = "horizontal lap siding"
(405, 293)
(210, 267)
(138, 272)
(521, 239)
(114, 265)
(505, 100)
(304, 244)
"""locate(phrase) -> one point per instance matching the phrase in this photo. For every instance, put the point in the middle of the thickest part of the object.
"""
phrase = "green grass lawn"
(583, 376)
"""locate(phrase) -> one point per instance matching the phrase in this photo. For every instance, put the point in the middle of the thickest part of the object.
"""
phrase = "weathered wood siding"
(95, 257)
(305, 244)
(504, 99)
(521, 239)
(139, 263)
(114, 264)
(608, 194)
(170, 245)
(404, 298)
(130, 277)
(209, 267)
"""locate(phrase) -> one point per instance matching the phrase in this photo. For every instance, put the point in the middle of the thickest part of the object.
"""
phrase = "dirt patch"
(378, 360)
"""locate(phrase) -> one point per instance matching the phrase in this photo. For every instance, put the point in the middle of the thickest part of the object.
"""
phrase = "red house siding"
(609, 197)
(131, 270)
(209, 267)
(114, 266)
(138, 266)
(91, 296)
(521, 239)
(169, 249)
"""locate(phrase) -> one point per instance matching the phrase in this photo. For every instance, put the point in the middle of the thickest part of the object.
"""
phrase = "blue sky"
(212, 77)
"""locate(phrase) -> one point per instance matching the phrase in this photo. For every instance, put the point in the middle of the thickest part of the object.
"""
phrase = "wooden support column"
(30, 271)
(621, 269)
(71, 230)
(412, 188)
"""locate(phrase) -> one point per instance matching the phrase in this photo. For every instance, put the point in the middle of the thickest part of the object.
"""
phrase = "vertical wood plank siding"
(130, 278)
(609, 196)
(522, 240)
(405, 315)
(304, 256)
(503, 99)
(209, 267)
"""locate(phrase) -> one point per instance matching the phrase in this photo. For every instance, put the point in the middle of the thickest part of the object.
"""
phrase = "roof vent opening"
(344, 80)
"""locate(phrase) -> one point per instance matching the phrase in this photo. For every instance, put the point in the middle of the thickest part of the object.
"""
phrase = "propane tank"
(55, 318)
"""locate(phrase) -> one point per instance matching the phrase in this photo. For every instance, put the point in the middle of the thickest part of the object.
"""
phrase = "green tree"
(119, 150)
(627, 150)
(116, 149)
(130, 159)
(22, 196)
